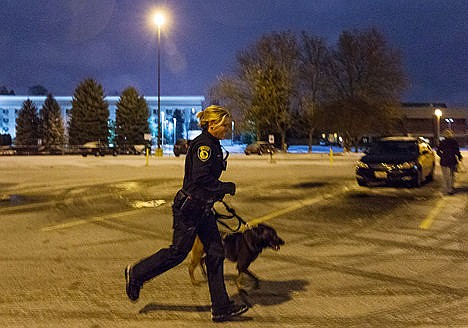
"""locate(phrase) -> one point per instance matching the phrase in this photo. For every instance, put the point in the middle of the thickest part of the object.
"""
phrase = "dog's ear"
(258, 228)
(266, 232)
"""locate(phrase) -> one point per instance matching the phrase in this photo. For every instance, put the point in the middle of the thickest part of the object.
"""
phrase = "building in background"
(188, 105)
(420, 120)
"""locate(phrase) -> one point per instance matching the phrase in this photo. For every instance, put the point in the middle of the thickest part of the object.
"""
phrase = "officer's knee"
(178, 254)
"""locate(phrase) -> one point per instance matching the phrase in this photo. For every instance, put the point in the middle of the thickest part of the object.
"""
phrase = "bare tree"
(368, 79)
(314, 84)
(37, 90)
(263, 86)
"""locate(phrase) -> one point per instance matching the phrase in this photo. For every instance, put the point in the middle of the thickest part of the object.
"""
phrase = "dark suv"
(97, 148)
(396, 160)
(259, 148)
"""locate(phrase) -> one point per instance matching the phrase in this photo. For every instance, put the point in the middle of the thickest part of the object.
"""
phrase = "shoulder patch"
(204, 153)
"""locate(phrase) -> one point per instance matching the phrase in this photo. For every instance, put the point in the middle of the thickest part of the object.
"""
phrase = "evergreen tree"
(178, 115)
(131, 118)
(89, 114)
(27, 132)
(51, 123)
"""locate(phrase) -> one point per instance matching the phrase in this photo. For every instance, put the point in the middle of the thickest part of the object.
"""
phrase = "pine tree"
(27, 125)
(178, 115)
(51, 123)
(131, 119)
(89, 114)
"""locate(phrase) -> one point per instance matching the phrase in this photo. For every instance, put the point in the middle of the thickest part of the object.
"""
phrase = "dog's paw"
(247, 283)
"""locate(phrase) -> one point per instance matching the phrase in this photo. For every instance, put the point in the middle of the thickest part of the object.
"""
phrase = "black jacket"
(204, 164)
(449, 152)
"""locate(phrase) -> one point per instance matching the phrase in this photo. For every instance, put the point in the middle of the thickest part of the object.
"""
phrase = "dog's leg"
(195, 259)
(254, 278)
(247, 281)
(203, 265)
(191, 269)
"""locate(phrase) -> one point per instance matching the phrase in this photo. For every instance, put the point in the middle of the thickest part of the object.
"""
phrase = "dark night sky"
(58, 43)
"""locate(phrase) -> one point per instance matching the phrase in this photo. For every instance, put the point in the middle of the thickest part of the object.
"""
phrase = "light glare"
(158, 19)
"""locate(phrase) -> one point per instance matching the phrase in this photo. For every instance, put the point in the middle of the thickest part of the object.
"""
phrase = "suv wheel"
(418, 179)
(361, 183)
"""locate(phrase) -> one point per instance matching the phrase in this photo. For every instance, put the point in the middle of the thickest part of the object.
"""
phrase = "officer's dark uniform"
(192, 216)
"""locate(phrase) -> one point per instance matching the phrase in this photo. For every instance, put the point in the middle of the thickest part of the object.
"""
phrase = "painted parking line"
(88, 220)
(427, 222)
(297, 205)
(154, 203)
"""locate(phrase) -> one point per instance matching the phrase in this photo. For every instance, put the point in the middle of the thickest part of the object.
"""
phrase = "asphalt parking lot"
(354, 257)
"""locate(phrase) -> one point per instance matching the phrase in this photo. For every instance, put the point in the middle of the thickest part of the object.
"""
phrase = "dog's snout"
(276, 243)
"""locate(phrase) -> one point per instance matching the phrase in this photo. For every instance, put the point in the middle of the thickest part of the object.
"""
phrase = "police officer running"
(193, 215)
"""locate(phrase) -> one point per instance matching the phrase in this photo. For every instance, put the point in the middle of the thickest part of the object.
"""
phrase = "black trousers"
(186, 228)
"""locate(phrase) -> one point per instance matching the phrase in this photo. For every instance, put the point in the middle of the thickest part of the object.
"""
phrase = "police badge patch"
(204, 153)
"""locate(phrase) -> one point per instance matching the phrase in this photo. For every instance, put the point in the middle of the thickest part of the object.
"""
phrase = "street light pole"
(175, 127)
(438, 114)
(159, 20)
(232, 132)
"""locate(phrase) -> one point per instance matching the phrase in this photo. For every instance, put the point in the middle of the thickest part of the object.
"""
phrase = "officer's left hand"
(229, 188)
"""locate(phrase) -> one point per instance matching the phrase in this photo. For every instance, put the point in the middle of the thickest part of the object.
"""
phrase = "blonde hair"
(213, 113)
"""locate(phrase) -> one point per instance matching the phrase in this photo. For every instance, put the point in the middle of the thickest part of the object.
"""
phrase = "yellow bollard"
(147, 156)
(331, 156)
(272, 161)
(158, 152)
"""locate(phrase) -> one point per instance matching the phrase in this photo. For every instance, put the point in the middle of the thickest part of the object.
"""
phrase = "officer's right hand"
(229, 188)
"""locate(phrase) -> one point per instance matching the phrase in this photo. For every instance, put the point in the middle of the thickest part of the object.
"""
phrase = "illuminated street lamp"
(158, 19)
(174, 128)
(438, 114)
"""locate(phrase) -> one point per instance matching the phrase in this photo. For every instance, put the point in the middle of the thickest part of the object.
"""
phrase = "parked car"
(181, 147)
(396, 160)
(132, 149)
(259, 148)
(51, 150)
(97, 148)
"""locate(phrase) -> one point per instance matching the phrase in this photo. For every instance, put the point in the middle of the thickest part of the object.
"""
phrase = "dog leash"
(233, 215)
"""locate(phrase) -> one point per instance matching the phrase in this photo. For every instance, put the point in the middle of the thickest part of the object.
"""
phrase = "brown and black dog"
(240, 247)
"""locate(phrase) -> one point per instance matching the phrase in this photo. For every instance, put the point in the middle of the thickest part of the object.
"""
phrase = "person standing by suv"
(449, 153)
(193, 215)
